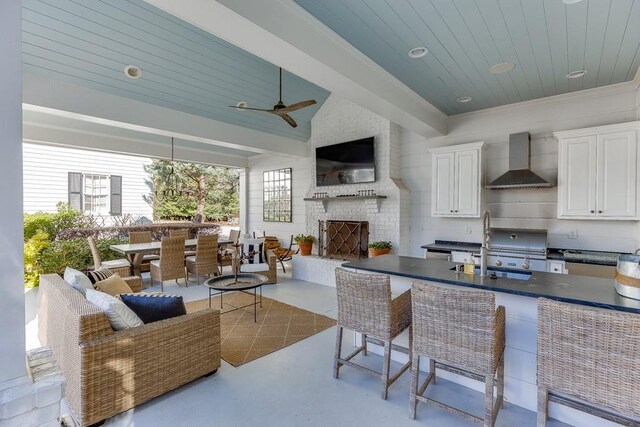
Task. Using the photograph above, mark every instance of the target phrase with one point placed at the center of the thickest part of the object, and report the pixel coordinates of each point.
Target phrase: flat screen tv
(350, 162)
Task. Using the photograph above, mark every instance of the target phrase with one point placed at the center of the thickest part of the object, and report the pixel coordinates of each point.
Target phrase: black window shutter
(116, 195)
(75, 190)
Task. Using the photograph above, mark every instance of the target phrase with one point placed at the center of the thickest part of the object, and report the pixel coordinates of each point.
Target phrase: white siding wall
(526, 208)
(46, 169)
(300, 180)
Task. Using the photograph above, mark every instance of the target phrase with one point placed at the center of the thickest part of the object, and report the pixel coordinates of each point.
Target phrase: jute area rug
(279, 325)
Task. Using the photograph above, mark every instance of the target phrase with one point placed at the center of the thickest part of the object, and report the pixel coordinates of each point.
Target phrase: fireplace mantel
(325, 200)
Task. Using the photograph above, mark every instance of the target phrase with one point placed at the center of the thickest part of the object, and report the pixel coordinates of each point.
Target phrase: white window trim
(84, 193)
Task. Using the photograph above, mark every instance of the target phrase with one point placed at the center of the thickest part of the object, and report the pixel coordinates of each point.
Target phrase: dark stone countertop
(446, 246)
(590, 291)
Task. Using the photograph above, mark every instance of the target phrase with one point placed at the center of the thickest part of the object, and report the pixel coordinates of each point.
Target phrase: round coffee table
(244, 282)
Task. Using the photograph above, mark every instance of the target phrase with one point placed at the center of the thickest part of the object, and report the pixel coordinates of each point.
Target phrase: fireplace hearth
(343, 239)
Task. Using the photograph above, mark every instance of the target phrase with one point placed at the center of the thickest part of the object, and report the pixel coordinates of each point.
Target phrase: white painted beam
(100, 142)
(12, 312)
(284, 34)
(68, 100)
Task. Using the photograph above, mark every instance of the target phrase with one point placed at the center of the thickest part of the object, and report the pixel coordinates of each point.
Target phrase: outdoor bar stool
(589, 359)
(365, 306)
(460, 331)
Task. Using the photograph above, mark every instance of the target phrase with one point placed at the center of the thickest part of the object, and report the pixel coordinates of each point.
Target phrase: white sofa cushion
(120, 316)
(254, 268)
(77, 279)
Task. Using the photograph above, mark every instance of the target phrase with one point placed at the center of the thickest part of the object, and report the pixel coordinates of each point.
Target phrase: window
(95, 194)
(276, 202)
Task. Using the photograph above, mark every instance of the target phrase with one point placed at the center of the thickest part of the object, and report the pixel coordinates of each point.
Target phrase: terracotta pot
(375, 252)
(305, 248)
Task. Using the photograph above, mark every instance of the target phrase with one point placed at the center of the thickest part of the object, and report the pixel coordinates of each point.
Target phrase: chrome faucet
(486, 230)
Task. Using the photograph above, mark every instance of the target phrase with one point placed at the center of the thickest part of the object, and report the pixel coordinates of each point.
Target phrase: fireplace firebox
(343, 239)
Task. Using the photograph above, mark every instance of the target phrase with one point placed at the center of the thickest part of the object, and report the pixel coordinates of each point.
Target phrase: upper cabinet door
(467, 183)
(443, 184)
(616, 179)
(577, 177)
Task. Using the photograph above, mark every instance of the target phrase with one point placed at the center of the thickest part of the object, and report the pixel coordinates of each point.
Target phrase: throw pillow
(120, 316)
(252, 250)
(113, 285)
(78, 280)
(100, 274)
(154, 307)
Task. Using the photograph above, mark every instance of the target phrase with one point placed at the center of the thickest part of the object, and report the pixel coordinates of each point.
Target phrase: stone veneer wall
(339, 121)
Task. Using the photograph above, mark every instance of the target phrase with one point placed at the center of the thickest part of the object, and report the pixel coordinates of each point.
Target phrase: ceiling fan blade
(252, 109)
(298, 106)
(287, 118)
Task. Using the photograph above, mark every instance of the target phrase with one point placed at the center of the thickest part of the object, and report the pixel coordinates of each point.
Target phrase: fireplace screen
(343, 239)
(276, 199)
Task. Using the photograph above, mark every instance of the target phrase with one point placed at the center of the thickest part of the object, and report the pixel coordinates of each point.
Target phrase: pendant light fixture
(172, 184)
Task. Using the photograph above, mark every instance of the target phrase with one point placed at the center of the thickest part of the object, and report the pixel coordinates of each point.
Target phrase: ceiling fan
(280, 109)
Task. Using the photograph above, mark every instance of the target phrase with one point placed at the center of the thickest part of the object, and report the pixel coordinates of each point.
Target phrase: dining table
(135, 251)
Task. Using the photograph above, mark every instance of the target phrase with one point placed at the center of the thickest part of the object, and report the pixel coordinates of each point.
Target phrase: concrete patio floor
(294, 386)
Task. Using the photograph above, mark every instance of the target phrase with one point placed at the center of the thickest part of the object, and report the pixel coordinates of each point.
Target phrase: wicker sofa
(109, 372)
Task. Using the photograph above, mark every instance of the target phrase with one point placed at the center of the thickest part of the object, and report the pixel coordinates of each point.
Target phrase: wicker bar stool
(589, 359)
(365, 306)
(460, 331)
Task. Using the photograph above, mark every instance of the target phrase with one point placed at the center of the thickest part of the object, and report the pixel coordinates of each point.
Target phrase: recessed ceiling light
(571, 1)
(576, 74)
(502, 67)
(464, 99)
(240, 106)
(132, 71)
(418, 52)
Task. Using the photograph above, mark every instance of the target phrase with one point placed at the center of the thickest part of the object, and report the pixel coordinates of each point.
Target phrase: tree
(211, 191)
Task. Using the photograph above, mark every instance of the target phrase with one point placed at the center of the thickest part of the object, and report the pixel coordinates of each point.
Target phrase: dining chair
(185, 234)
(143, 237)
(225, 253)
(171, 264)
(259, 233)
(205, 261)
(459, 331)
(121, 266)
(365, 306)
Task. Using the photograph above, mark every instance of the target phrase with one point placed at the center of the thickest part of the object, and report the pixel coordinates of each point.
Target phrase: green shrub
(32, 250)
(307, 239)
(53, 223)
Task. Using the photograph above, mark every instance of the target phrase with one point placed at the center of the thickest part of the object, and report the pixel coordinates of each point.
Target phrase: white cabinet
(597, 172)
(456, 180)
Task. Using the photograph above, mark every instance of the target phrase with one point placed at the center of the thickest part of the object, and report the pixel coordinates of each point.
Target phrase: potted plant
(379, 248)
(305, 243)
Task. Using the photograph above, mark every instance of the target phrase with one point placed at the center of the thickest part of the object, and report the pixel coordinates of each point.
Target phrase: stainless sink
(494, 273)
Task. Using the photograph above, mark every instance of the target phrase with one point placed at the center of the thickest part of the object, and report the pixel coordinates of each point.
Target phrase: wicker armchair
(267, 267)
(108, 372)
(121, 267)
(460, 331)
(143, 237)
(365, 306)
(171, 263)
(589, 356)
(205, 261)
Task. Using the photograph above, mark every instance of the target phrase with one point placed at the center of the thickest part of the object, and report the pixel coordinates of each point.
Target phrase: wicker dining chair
(205, 261)
(463, 332)
(365, 306)
(225, 254)
(588, 358)
(143, 237)
(171, 264)
(182, 233)
(122, 266)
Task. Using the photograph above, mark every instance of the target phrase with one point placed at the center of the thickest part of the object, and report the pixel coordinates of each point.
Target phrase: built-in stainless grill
(518, 249)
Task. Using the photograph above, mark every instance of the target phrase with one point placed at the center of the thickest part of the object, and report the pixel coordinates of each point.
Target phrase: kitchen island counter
(591, 291)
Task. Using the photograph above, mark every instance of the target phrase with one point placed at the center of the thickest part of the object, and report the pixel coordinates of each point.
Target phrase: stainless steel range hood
(519, 174)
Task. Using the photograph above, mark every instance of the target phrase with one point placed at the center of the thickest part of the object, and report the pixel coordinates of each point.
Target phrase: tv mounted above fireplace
(350, 162)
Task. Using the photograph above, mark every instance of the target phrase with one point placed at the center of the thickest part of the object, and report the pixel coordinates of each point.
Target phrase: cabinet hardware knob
(593, 211)
(599, 211)
(456, 210)
(451, 211)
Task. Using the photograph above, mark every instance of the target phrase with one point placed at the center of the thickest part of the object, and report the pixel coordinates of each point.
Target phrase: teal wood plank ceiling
(545, 39)
(89, 43)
